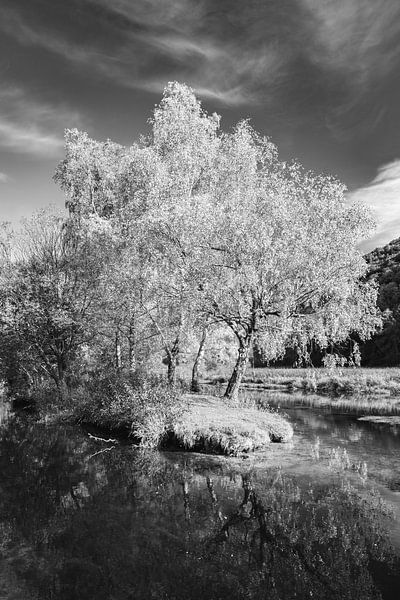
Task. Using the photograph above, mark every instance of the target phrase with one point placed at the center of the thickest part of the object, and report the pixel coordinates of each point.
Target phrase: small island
(212, 425)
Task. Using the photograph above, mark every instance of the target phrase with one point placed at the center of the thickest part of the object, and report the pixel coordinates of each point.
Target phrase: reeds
(359, 404)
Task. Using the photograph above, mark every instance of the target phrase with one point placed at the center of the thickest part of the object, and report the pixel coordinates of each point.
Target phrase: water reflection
(377, 444)
(4, 411)
(120, 524)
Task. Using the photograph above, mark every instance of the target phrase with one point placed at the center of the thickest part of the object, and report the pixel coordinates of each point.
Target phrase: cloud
(354, 36)
(250, 52)
(28, 126)
(230, 81)
(355, 44)
(152, 42)
(4, 178)
(27, 139)
(316, 59)
(15, 25)
(383, 196)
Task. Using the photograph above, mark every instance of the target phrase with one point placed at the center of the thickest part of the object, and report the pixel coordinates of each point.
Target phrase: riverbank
(149, 413)
(201, 423)
(359, 405)
(383, 382)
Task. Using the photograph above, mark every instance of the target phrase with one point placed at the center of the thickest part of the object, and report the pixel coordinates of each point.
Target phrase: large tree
(226, 232)
(47, 290)
(157, 198)
(285, 254)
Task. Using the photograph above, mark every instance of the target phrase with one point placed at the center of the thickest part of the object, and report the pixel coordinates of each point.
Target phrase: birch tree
(227, 232)
(285, 254)
(157, 197)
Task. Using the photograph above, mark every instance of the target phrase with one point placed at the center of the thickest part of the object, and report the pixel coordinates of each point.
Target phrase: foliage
(47, 290)
(190, 226)
(143, 407)
(287, 247)
(384, 269)
(151, 194)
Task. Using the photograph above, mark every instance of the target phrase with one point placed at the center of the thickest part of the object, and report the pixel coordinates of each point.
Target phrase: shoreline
(342, 382)
(217, 426)
(206, 424)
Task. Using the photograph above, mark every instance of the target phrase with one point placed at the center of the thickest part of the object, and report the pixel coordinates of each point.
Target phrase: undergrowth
(142, 406)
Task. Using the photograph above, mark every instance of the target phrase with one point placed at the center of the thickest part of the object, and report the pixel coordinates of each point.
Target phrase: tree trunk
(172, 362)
(118, 353)
(60, 369)
(173, 354)
(233, 386)
(59, 378)
(132, 346)
(195, 387)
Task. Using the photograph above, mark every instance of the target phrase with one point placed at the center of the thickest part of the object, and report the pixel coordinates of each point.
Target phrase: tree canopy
(200, 227)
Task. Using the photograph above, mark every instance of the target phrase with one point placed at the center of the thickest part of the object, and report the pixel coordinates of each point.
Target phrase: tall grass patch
(140, 406)
(216, 426)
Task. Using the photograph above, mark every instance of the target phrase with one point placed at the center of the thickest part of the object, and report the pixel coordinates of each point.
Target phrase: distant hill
(384, 267)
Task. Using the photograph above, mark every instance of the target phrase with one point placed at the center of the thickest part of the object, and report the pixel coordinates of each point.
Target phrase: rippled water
(87, 520)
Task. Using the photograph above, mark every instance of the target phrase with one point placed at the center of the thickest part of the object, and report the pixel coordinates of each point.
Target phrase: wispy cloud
(383, 196)
(157, 42)
(354, 36)
(15, 25)
(4, 178)
(355, 43)
(217, 65)
(29, 126)
(230, 81)
(318, 55)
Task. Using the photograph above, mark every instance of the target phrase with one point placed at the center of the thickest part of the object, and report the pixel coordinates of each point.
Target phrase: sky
(320, 77)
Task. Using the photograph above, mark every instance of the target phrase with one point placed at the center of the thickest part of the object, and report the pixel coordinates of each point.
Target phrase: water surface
(87, 520)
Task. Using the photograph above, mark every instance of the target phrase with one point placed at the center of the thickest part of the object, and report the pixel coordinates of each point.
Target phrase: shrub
(142, 406)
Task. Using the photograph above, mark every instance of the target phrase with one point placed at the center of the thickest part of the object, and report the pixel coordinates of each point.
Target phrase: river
(87, 519)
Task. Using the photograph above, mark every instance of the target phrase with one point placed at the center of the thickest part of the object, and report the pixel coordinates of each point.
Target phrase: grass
(362, 391)
(213, 425)
(333, 381)
(146, 410)
(357, 404)
(330, 382)
(386, 420)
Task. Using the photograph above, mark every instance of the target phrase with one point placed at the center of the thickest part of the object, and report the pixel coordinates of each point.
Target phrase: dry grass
(327, 381)
(330, 382)
(361, 404)
(213, 425)
(385, 420)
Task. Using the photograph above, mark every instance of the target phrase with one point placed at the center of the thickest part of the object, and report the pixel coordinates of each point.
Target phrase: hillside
(384, 267)
(383, 350)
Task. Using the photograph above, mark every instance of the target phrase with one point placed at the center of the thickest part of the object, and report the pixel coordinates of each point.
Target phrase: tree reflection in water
(131, 525)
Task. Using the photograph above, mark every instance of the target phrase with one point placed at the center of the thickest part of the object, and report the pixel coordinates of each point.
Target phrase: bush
(142, 406)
